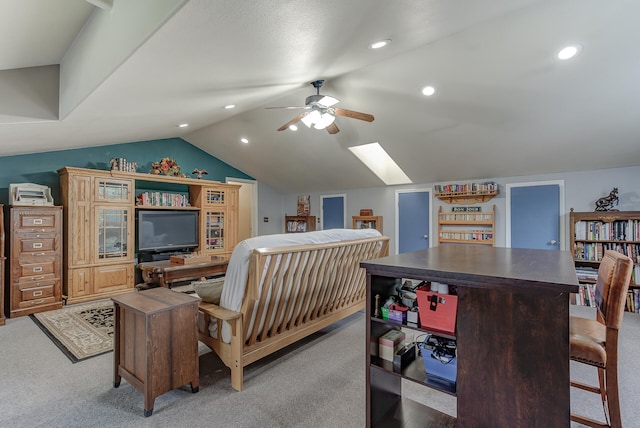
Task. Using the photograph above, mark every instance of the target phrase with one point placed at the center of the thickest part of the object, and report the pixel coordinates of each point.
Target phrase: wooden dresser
(34, 250)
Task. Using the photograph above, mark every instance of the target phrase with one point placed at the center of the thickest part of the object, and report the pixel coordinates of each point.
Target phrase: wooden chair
(595, 342)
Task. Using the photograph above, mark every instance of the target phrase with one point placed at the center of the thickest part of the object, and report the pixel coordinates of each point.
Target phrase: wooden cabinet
(218, 218)
(591, 234)
(99, 244)
(34, 271)
(100, 229)
(156, 342)
(467, 193)
(494, 358)
(299, 223)
(367, 222)
(464, 227)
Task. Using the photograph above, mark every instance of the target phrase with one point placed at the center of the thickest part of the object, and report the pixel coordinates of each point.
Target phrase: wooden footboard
(291, 293)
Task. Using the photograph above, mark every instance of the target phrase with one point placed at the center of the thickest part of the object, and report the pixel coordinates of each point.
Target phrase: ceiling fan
(321, 114)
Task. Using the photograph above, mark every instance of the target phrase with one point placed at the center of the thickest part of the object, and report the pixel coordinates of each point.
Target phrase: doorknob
(553, 242)
(426, 236)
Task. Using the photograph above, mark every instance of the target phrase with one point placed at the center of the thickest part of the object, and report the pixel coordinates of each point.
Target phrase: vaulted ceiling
(81, 73)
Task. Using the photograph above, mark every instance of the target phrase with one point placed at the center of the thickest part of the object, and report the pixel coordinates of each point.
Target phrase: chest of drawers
(34, 260)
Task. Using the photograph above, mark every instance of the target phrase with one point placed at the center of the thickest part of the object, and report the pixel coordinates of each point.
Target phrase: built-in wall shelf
(467, 193)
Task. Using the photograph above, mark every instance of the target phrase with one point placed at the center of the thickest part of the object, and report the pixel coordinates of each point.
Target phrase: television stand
(164, 273)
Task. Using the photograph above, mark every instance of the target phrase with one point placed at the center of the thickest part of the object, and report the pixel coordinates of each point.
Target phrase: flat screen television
(166, 230)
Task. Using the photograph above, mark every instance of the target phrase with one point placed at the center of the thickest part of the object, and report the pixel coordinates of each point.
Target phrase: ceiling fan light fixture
(328, 101)
(317, 120)
(293, 127)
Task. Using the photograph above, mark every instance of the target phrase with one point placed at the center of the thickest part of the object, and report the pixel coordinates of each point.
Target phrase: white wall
(582, 189)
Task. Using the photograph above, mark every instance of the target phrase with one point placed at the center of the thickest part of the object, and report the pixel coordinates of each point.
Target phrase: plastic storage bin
(440, 361)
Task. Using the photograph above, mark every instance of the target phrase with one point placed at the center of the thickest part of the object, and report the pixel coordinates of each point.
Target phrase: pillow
(209, 290)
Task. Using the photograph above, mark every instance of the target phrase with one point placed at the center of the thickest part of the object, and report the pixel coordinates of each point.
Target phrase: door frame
(344, 209)
(561, 209)
(397, 215)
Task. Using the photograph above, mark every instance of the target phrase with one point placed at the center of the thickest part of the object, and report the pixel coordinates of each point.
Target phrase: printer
(30, 194)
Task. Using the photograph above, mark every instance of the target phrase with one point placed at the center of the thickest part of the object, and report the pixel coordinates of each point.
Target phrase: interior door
(413, 227)
(534, 215)
(333, 212)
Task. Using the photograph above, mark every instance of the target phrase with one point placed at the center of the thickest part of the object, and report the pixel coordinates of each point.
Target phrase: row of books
(593, 251)
(633, 301)
(621, 230)
(465, 216)
(163, 199)
(467, 236)
(586, 297)
(486, 187)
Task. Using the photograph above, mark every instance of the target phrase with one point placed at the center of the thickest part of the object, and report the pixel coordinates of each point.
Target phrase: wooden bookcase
(299, 223)
(100, 228)
(466, 227)
(367, 222)
(592, 233)
(468, 193)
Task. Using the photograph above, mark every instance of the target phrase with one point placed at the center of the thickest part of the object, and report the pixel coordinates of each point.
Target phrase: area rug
(81, 331)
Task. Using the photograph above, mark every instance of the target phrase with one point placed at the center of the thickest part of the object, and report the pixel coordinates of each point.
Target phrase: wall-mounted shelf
(299, 223)
(468, 193)
(466, 227)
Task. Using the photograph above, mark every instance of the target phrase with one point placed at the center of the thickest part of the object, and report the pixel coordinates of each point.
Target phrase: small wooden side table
(156, 342)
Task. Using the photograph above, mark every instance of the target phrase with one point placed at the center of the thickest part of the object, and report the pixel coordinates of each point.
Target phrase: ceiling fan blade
(291, 107)
(332, 129)
(353, 114)
(291, 122)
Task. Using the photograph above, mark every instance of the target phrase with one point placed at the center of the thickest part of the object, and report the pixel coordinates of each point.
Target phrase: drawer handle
(38, 254)
(37, 221)
(37, 278)
(37, 245)
(37, 269)
(37, 293)
(38, 230)
(37, 302)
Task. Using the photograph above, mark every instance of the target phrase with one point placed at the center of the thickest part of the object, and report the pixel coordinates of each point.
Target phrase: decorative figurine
(606, 203)
(200, 172)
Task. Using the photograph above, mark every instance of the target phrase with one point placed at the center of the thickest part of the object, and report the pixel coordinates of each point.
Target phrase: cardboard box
(389, 343)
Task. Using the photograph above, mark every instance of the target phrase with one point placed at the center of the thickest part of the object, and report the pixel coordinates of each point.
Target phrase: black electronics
(404, 357)
(167, 230)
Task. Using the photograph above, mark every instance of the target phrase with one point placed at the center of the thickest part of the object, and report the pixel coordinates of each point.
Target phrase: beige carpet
(80, 331)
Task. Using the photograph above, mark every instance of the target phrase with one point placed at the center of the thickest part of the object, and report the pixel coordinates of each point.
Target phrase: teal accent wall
(41, 168)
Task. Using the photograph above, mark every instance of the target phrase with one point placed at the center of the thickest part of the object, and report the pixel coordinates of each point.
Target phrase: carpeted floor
(80, 331)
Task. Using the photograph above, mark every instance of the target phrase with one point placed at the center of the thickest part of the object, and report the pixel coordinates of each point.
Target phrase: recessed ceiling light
(569, 52)
(428, 91)
(230, 106)
(379, 44)
(244, 140)
(293, 127)
(183, 125)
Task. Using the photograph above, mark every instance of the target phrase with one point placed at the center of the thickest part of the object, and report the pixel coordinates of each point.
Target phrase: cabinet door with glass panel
(113, 220)
(113, 232)
(218, 209)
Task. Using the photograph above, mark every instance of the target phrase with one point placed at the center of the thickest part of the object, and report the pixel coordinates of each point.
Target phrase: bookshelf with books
(299, 223)
(591, 234)
(466, 193)
(466, 227)
(367, 222)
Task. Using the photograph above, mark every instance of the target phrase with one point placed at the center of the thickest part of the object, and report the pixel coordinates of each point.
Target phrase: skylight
(378, 161)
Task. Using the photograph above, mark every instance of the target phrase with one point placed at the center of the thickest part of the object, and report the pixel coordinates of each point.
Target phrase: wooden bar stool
(595, 342)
